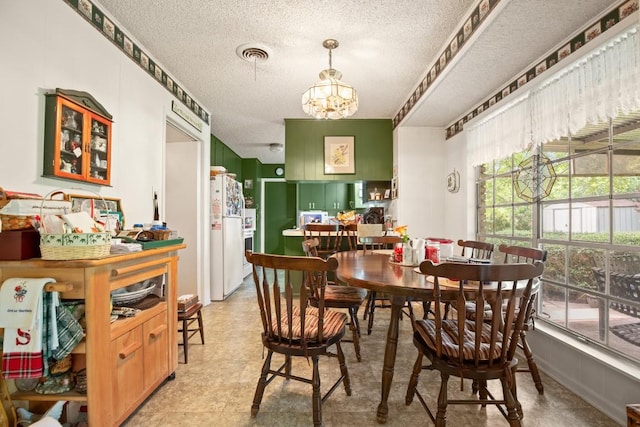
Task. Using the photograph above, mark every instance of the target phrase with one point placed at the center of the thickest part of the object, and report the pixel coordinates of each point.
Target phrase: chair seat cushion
(344, 294)
(426, 328)
(334, 323)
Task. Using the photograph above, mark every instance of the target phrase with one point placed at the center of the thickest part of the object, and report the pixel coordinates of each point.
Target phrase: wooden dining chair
(339, 296)
(349, 234)
(476, 250)
(292, 326)
(327, 234)
(530, 255)
(371, 243)
(474, 349)
(472, 249)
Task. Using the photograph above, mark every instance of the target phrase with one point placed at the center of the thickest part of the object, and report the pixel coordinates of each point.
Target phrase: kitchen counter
(298, 232)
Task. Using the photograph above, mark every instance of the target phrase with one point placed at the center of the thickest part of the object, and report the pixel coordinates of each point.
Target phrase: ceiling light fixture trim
(330, 98)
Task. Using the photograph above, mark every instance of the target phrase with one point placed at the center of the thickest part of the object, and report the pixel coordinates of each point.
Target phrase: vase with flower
(406, 250)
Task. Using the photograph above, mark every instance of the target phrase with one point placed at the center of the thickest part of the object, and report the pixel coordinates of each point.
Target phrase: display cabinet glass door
(99, 150)
(71, 149)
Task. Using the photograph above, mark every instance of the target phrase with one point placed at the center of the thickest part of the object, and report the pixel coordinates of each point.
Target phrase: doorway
(182, 204)
(278, 212)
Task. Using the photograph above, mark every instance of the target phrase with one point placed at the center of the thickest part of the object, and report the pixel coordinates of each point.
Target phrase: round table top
(374, 271)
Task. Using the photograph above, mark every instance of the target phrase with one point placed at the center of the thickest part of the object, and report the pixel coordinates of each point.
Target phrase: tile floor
(216, 387)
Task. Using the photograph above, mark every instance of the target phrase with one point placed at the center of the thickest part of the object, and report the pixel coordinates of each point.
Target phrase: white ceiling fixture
(330, 98)
(275, 146)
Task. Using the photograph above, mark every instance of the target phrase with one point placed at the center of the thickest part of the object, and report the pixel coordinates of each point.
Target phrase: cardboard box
(17, 245)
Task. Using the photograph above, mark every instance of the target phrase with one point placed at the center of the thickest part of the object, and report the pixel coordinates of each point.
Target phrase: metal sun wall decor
(534, 178)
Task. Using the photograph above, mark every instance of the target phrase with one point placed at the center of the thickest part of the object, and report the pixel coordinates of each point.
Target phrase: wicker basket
(161, 234)
(74, 246)
(70, 246)
(13, 222)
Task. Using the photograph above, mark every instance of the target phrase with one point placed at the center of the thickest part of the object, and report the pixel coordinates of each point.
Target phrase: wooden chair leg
(353, 325)
(512, 412)
(372, 308)
(441, 415)
(413, 381)
(483, 393)
(316, 398)
(185, 339)
(533, 367)
(426, 309)
(200, 326)
(287, 368)
(346, 380)
(262, 384)
(366, 306)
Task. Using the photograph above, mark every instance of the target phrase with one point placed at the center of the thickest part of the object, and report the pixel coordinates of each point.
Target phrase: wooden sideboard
(125, 360)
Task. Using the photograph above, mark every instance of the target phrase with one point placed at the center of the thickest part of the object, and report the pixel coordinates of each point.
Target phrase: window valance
(597, 87)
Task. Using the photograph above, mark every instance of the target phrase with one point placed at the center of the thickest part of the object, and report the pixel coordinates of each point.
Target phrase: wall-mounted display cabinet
(77, 138)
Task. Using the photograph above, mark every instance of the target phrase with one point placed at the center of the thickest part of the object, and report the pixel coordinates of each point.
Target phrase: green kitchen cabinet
(311, 197)
(336, 196)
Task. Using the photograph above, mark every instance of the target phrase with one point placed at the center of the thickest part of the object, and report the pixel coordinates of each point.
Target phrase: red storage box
(19, 244)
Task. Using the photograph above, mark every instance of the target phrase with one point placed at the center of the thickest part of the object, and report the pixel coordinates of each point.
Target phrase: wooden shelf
(122, 325)
(37, 397)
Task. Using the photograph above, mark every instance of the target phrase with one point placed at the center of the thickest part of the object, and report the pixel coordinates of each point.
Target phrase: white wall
(46, 45)
(460, 207)
(420, 157)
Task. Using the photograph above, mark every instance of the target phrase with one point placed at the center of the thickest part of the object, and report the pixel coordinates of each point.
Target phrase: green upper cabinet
(335, 196)
(311, 197)
(222, 155)
(304, 149)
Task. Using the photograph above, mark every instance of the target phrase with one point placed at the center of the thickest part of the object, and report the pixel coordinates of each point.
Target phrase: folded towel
(19, 299)
(22, 316)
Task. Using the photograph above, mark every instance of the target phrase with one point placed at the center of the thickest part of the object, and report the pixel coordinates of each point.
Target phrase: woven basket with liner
(71, 246)
(15, 222)
(18, 210)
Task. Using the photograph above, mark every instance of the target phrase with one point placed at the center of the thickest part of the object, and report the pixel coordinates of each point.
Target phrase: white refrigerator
(227, 236)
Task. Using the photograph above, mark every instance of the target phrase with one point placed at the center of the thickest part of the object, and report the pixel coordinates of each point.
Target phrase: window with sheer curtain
(585, 123)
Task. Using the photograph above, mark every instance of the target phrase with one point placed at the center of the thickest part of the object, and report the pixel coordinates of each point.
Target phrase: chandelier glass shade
(330, 98)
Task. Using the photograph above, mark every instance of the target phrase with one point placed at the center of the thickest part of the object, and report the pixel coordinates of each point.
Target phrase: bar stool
(185, 319)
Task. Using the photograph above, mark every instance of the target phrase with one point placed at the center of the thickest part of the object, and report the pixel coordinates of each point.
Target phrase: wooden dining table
(373, 270)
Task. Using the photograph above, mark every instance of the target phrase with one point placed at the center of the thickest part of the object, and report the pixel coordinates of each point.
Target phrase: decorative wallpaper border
(102, 23)
(588, 34)
(477, 16)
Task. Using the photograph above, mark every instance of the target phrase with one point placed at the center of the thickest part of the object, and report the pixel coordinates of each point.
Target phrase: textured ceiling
(386, 48)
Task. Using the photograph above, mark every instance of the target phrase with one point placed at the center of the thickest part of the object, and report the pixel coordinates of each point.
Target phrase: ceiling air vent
(253, 52)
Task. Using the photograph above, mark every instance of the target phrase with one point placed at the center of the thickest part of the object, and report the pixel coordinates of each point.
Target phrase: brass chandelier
(330, 98)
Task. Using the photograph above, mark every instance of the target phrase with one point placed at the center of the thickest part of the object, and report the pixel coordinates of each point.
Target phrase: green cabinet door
(311, 197)
(336, 196)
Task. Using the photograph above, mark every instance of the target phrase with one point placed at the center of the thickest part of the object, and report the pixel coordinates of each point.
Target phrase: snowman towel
(21, 314)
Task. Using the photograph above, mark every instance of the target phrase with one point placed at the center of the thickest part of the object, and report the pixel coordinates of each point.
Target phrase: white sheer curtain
(502, 134)
(597, 87)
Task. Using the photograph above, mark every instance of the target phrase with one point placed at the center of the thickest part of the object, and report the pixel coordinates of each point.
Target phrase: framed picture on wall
(339, 155)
